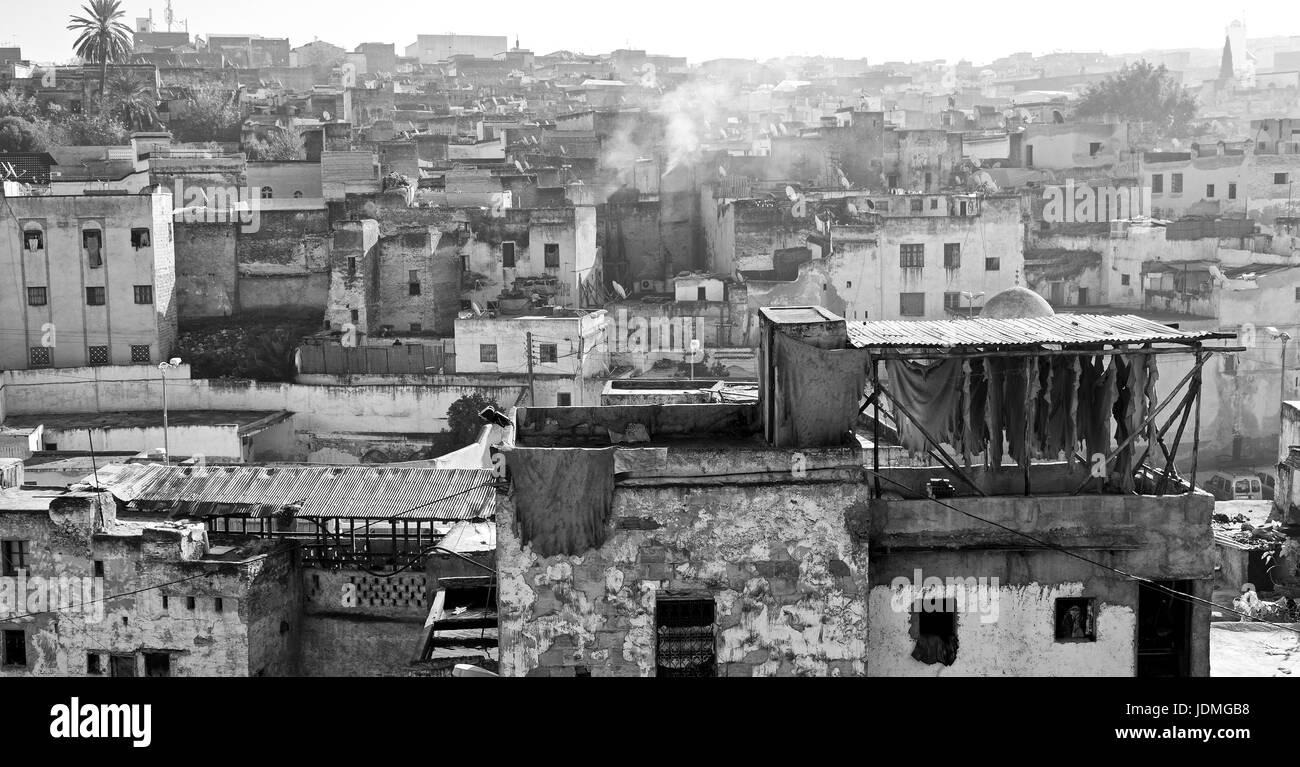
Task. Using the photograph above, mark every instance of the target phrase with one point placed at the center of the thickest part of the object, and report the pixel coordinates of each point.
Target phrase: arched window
(297, 193)
(267, 193)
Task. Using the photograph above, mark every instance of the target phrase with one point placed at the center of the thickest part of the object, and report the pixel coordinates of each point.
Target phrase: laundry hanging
(931, 393)
(562, 497)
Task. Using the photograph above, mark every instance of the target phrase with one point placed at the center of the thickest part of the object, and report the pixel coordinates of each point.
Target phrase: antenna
(168, 16)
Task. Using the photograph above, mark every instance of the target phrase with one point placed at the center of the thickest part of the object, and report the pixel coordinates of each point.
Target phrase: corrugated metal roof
(1057, 329)
(357, 492)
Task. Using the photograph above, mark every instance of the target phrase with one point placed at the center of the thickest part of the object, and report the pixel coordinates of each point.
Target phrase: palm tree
(134, 101)
(103, 37)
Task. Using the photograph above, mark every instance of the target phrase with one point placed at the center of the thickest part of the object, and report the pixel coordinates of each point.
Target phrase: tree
(103, 37)
(133, 101)
(211, 113)
(1141, 92)
(1225, 64)
(282, 144)
(19, 135)
(462, 417)
(70, 129)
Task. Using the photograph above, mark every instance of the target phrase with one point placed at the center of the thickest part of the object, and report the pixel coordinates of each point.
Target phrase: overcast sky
(705, 29)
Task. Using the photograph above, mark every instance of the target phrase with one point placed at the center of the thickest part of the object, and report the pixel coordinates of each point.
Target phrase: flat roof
(248, 421)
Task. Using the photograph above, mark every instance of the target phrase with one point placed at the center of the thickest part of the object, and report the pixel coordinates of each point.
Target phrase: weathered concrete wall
(285, 263)
(374, 628)
(206, 270)
(777, 560)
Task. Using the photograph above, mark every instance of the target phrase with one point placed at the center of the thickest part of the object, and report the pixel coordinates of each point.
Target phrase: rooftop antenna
(168, 16)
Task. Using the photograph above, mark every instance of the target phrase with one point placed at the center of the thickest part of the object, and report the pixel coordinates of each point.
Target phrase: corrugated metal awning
(1064, 329)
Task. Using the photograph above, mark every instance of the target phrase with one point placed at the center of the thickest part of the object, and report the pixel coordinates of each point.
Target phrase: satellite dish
(325, 115)
(791, 194)
(619, 289)
(852, 209)
(474, 305)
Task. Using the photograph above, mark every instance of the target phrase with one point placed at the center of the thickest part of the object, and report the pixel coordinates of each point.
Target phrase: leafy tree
(20, 135)
(1141, 92)
(15, 104)
(462, 417)
(211, 114)
(88, 130)
(103, 38)
(282, 144)
(133, 101)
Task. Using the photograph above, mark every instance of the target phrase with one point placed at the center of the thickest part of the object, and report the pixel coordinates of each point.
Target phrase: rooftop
(1065, 329)
(248, 421)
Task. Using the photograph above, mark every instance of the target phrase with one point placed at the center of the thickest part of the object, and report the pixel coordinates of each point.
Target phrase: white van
(1234, 487)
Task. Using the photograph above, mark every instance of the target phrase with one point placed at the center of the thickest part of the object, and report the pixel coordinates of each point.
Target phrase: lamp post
(970, 302)
(163, 367)
(1283, 336)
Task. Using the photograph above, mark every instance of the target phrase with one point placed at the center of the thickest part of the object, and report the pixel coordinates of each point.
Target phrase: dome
(1016, 303)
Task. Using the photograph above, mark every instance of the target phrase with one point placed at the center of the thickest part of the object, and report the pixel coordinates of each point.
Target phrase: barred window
(911, 304)
(140, 353)
(684, 639)
(951, 301)
(487, 352)
(39, 356)
(551, 252)
(547, 353)
(97, 355)
(34, 239)
(37, 296)
(144, 294)
(952, 255)
(992, 264)
(911, 256)
(94, 296)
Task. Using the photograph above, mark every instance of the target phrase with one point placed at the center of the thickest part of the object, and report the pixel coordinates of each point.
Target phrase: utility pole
(532, 397)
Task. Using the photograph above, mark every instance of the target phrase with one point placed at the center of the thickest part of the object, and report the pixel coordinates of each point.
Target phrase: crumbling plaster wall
(778, 560)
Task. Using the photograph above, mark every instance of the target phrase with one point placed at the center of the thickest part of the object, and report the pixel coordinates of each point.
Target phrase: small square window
(94, 296)
(417, 327)
(911, 304)
(1209, 191)
(157, 664)
(356, 315)
(144, 294)
(34, 240)
(97, 355)
(1281, 178)
(1124, 279)
(15, 648)
(13, 557)
(487, 352)
(911, 256)
(934, 203)
(952, 255)
(916, 203)
(37, 296)
(992, 264)
(1176, 183)
(140, 353)
(140, 238)
(1075, 620)
(39, 357)
(934, 627)
(1094, 148)
(551, 251)
(547, 353)
(563, 399)
(189, 603)
(951, 301)
(94, 664)
(1158, 183)
(99, 568)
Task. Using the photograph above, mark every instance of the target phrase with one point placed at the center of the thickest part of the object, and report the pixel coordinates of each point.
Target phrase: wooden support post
(1196, 428)
(875, 423)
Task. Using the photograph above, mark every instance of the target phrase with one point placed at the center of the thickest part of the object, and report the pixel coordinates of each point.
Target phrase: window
(911, 256)
(1075, 620)
(547, 353)
(551, 252)
(144, 294)
(189, 603)
(911, 304)
(39, 356)
(915, 204)
(37, 296)
(15, 648)
(218, 604)
(416, 327)
(1281, 178)
(508, 255)
(157, 664)
(564, 399)
(1209, 191)
(94, 666)
(352, 266)
(141, 353)
(992, 264)
(34, 239)
(97, 355)
(355, 315)
(891, 180)
(92, 242)
(848, 284)
(98, 568)
(488, 352)
(701, 294)
(684, 640)
(1124, 279)
(952, 255)
(934, 203)
(1176, 183)
(934, 624)
(1229, 364)
(928, 178)
(413, 279)
(164, 601)
(1297, 294)
(297, 194)
(94, 296)
(139, 238)
(13, 557)
(121, 665)
(951, 301)
(1094, 147)
(267, 193)
(1232, 191)
(1158, 183)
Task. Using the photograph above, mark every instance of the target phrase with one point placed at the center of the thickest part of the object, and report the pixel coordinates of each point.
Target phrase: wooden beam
(1196, 429)
(1035, 352)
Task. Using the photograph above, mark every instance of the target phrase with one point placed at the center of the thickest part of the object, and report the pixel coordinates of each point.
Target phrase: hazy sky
(704, 29)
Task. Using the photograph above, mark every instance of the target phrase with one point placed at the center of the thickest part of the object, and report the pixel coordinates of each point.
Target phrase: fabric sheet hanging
(562, 496)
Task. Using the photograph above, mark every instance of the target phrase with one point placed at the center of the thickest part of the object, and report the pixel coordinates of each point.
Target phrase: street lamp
(970, 302)
(163, 367)
(1283, 336)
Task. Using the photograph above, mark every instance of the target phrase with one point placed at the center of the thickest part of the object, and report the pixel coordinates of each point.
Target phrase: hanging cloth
(931, 393)
(562, 496)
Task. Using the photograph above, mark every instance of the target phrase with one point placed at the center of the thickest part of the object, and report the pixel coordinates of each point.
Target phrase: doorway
(1164, 630)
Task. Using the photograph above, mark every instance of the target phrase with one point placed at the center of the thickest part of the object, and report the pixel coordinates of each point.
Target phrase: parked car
(1268, 482)
(1226, 486)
